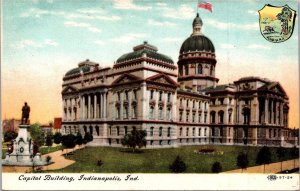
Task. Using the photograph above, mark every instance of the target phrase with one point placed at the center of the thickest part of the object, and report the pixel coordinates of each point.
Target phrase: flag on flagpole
(205, 5)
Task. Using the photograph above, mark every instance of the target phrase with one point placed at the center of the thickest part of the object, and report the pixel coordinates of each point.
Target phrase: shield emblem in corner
(277, 22)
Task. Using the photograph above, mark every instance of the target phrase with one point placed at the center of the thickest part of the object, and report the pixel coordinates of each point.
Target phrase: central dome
(197, 43)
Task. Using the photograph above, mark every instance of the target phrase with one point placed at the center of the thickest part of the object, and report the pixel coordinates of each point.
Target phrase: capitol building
(177, 104)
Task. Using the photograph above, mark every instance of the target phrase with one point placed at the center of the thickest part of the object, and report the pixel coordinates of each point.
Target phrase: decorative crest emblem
(277, 22)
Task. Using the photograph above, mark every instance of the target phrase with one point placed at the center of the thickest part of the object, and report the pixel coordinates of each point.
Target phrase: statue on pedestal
(25, 113)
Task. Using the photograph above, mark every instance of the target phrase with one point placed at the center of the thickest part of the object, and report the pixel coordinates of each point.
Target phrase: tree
(78, 139)
(37, 134)
(216, 167)
(242, 160)
(178, 166)
(88, 137)
(68, 141)
(10, 135)
(137, 138)
(263, 156)
(57, 138)
(49, 140)
(280, 151)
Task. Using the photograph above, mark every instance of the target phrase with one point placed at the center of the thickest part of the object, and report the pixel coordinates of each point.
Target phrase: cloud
(227, 46)
(37, 13)
(228, 25)
(129, 5)
(33, 44)
(252, 12)
(183, 12)
(161, 4)
(82, 25)
(50, 42)
(160, 23)
(129, 37)
(258, 46)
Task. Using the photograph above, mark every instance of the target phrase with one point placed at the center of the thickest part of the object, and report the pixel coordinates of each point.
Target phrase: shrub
(207, 150)
(99, 163)
(10, 135)
(216, 167)
(178, 166)
(242, 160)
(57, 138)
(48, 158)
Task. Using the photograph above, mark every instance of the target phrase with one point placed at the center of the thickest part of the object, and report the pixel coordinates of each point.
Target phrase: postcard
(150, 95)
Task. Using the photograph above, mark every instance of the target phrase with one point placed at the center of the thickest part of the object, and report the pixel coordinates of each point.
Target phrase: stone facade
(144, 90)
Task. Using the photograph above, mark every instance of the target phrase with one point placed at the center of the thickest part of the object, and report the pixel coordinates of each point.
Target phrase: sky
(43, 39)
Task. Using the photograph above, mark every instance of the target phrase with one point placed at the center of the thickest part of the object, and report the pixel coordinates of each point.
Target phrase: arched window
(221, 116)
(169, 131)
(151, 131)
(168, 113)
(160, 112)
(200, 69)
(246, 113)
(118, 112)
(212, 117)
(160, 131)
(160, 95)
(187, 131)
(211, 70)
(205, 132)
(180, 131)
(186, 68)
(194, 131)
(151, 112)
(151, 94)
(109, 130)
(169, 97)
(134, 111)
(125, 114)
(199, 132)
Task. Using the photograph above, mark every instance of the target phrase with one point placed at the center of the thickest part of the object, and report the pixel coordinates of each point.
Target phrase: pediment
(126, 78)
(277, 88)
(162, 79)
(69, 89)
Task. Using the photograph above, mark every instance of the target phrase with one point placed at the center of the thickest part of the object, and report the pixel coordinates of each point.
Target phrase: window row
(161, 131)
(160, 114)
(193, 119)
(195, 131)
(160, 95)
(193, 103)
(126, 112)
(126, 95)
(197, 70)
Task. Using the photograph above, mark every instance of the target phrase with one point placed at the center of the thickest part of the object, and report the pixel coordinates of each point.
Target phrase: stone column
(89, 106)
(104, 101)
(83, 107)
(71, 112)
(101, 107)
(63, 107)
(272, 114)
(266, 110)
(281, 113)
(95, 105)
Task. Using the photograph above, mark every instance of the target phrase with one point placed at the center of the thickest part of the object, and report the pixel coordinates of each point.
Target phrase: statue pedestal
(22, 154)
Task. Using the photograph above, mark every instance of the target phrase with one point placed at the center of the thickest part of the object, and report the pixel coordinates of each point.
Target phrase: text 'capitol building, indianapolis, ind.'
(176, 105)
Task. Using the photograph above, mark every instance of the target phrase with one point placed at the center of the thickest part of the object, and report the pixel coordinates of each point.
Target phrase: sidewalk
(57, 157)
(269, 168)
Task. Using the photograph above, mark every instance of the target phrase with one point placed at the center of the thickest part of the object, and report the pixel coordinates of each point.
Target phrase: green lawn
(118, 160)
(45, 150)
